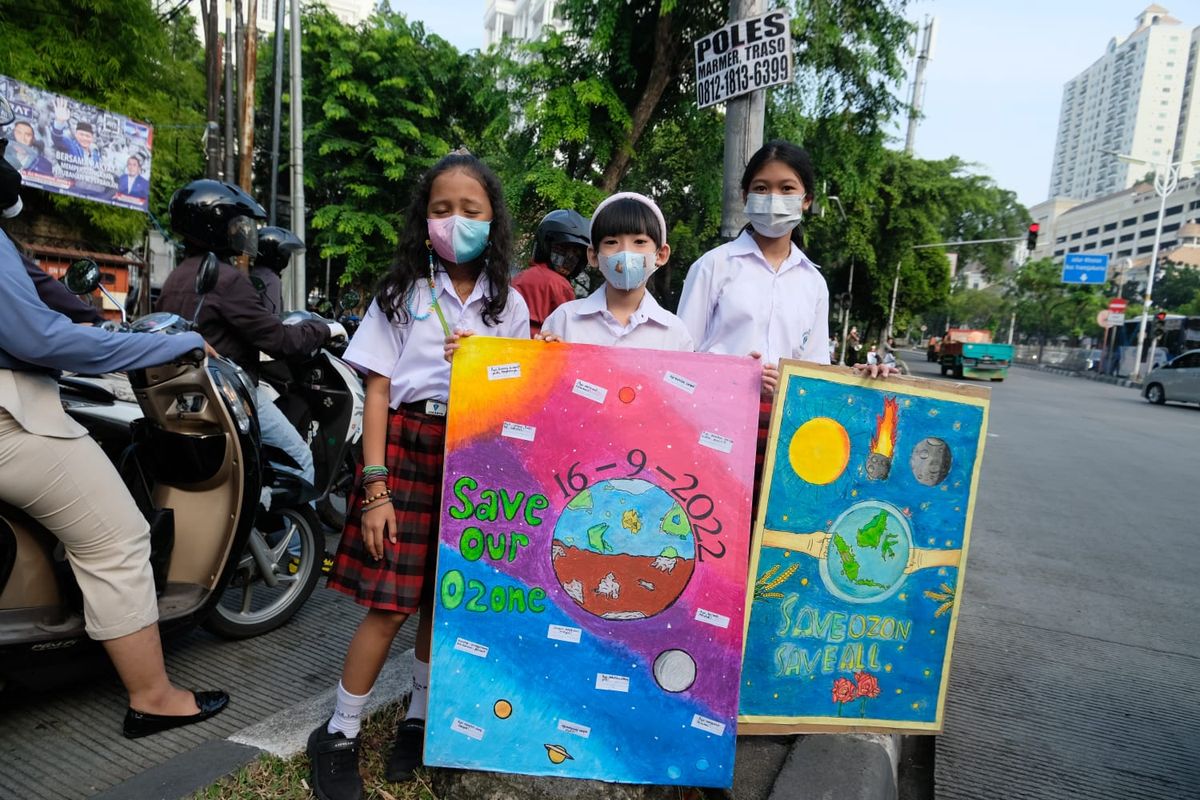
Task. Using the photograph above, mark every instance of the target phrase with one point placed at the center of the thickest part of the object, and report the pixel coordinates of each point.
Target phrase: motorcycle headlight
(237, 403)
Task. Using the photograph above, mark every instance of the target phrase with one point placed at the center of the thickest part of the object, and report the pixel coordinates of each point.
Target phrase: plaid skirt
(414, 458)
(760, 452)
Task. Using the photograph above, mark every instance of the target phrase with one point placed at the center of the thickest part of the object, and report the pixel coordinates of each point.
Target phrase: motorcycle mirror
(206, 276)
(83, 277)
(348, 299)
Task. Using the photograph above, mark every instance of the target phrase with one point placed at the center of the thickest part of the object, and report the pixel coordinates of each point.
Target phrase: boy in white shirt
(629, 243)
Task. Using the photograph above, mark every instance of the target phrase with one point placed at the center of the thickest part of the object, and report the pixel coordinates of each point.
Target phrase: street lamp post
(1166, 179)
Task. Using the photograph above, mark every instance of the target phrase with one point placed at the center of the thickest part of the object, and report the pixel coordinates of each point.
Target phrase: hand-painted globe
(623, 549)
(868, 551)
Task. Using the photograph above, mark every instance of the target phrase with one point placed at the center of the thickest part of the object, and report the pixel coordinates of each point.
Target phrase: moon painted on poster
(674, 670)
(930, 461)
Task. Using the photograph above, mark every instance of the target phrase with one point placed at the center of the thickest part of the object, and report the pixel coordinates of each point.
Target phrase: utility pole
(743, 133)
(924, 56)
(249, 67)
(892, 312)
(297, 272)
(277, 109)
(229, 112)
(212, 95)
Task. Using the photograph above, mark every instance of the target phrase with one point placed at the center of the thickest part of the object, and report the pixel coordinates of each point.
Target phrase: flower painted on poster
(844, 691)
(867, 687)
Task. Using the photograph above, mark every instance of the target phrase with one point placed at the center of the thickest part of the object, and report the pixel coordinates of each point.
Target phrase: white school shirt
(588, 321)
(412, 353)
(733, 302)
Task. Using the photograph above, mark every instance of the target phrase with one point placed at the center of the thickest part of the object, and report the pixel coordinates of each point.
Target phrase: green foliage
(152, 72)
(979, 309)
(1177, 288)
(1047, 307)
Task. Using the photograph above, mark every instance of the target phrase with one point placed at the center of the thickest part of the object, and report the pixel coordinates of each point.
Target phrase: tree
(1177, 287)
(152, 72)
(1048, 307)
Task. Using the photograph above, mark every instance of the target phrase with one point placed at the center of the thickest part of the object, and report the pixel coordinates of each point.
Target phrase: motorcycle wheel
(249, 606)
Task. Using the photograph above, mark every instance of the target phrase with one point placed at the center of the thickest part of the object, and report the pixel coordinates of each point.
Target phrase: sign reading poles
(744, 56)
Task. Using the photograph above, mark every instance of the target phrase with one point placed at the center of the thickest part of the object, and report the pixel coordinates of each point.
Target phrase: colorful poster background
(50, 156)
(859, 552)
(592, 562)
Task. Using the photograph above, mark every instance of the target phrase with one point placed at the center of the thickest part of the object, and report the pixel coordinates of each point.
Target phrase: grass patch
(274, 778)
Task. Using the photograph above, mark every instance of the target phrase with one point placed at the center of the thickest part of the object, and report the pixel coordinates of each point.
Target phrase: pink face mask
(457, 239)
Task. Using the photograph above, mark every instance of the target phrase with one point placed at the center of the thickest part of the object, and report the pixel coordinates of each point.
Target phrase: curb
(283, 734)
(816, 768)
(1110, 379)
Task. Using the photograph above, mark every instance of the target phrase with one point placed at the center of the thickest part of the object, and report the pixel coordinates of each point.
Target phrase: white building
(348, 11)
(1120, 225)
(522, 20)
(1130, 101)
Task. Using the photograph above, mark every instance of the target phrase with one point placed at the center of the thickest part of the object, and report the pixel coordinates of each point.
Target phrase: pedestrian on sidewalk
(449, 279)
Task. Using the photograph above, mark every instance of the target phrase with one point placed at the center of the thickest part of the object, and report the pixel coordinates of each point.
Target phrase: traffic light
(1160, 323)
(1031, 237)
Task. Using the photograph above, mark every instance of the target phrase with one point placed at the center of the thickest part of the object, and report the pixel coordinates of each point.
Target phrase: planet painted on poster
(868, 552)
(623, 549)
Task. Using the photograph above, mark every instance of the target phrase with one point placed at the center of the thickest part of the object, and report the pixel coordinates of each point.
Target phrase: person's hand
(62, 112)
(337, 332)
(453, 342)
(210, 351)
(880, 371)
(548, 337)
(378, 522)
(770, 376)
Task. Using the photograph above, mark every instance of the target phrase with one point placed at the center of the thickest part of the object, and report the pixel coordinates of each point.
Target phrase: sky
(993, 87)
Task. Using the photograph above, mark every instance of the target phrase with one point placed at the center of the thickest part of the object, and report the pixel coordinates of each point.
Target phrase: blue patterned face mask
(626, 270)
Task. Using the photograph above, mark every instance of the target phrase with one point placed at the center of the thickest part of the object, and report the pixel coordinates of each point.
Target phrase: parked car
(1178, 380)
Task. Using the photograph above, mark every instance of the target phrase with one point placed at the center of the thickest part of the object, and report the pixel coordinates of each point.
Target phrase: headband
(641, 198)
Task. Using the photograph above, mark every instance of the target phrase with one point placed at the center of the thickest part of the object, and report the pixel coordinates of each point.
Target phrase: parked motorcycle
(194, 465)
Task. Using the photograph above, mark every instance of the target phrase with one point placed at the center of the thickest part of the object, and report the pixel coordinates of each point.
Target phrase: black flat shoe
(407, 751)
(139, 724)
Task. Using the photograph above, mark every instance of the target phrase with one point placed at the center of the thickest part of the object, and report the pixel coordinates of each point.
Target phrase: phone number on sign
(745, 78)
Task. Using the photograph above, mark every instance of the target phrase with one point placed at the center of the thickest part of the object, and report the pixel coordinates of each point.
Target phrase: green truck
(966, 353)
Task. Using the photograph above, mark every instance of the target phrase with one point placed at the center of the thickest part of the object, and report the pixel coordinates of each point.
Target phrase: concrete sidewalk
(813, 767)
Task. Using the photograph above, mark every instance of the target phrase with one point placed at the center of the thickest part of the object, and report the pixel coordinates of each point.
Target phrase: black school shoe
(139, 724)
(406, 751)
(334, 758)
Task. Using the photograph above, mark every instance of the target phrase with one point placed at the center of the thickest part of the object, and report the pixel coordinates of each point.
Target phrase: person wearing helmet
(559, 255)
(276, 246)
(220, 218)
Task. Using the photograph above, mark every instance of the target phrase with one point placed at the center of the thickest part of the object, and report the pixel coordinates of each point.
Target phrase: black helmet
(562, 226)
(216, 216)
(276, 247)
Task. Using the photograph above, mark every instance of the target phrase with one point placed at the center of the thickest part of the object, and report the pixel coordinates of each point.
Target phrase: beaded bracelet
(385, 493)
(377, 504)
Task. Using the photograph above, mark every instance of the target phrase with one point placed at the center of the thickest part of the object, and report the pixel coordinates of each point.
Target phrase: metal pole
(743, 134)
(918, 91)
(892, 312)
(846, 318)
(277, 109)
(297, 272)
(229, 111)
(1166, 178)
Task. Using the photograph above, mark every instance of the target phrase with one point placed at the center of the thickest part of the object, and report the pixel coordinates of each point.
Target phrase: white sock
(347, 714)
(420, 692)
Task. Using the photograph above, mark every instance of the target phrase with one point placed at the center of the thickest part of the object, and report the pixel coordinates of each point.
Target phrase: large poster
(591, 576)
(859, 552)
(68, 147)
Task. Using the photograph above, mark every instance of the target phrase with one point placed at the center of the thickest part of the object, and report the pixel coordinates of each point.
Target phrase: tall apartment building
(1140, 98)
(522, 20)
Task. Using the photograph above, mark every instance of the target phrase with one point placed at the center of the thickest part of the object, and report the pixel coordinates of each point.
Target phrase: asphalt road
(1076, 670)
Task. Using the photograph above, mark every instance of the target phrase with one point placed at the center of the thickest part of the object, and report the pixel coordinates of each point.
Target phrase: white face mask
(774, 215)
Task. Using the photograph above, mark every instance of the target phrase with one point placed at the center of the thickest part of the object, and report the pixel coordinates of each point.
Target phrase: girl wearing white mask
(449, 279)
(629, 244)
(760, 295)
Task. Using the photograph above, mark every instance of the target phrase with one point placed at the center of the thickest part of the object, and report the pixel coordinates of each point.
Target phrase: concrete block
(839, 767)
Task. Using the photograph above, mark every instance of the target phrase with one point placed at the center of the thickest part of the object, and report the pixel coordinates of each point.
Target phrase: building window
(1174, 226)
(1123, 253)
(1072, 249)
(1146, 248)
(1092, 231)
(1060, 240)
(1076, 235)
(1145, 233)
(1125, 223)
(1127, 237)
(1058, 253)
(1174, 210)
(1150, 216)
(1112, 226)
(1090, 246)
(1106, 242)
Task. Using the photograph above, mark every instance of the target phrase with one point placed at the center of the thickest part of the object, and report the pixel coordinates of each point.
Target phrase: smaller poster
(591, 574)
(859, 552)
(67, 147)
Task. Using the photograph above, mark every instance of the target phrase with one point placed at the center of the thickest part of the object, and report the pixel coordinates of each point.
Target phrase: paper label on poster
(716, 441)
(708, 725)
(500, 372)
(515, 430)
(467, 729)
(712, 618)
(582, 731)
(612, 683)
(473, 648)
(680, 382)
(564, 633)
(591, 391)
